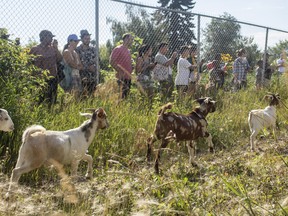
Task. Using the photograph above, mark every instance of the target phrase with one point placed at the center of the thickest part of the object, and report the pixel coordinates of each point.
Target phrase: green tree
(221, 36)
(279, 48)
(141, 23)
(178, 26)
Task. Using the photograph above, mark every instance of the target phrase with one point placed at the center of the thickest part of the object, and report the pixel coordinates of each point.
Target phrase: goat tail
(30, 130)
(164, 108)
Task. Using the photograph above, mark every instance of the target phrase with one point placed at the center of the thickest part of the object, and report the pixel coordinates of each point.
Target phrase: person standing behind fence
(88, 59)
(166, 83)
(259, 75)
(268, 70)
(47, 58)
(144, 67)
(121, 61)
(240, 70)
(216, 80)
(194, 73)
(185, 73)
(72, 65)
(281, 64)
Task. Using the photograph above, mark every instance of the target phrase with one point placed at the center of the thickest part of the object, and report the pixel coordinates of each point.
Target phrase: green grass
(233, 181)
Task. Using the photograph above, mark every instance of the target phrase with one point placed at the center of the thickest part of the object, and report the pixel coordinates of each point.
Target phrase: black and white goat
(263, 118)
(45, 147)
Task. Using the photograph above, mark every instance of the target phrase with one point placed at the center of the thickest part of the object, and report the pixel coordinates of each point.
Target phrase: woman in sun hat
(72, 65)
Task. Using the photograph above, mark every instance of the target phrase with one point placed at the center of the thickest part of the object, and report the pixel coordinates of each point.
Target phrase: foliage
(280, 47)
(178, 26)
(141, 24)
(221, 36)
(18, 89)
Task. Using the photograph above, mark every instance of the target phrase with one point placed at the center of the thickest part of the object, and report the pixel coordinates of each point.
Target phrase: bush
(18, 92)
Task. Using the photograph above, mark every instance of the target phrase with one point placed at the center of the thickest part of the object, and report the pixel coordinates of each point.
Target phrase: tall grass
(228, 182)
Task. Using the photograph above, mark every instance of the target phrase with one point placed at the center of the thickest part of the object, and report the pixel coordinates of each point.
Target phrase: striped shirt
(240, 68)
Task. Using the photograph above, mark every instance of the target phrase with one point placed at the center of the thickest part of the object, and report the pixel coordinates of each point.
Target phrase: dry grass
(135, 190)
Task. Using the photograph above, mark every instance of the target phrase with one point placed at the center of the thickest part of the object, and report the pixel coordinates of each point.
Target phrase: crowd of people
(157, 71)
(75, 68)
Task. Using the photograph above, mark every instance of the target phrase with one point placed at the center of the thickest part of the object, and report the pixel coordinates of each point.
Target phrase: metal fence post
(264, 56)
(97, 39)
(198, 41)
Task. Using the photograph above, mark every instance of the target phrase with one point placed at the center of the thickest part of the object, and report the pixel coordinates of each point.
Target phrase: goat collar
(202, 113)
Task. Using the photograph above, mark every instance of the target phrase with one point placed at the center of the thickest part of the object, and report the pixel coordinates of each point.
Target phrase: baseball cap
(46, 33)
(72, 37)
(83, 33)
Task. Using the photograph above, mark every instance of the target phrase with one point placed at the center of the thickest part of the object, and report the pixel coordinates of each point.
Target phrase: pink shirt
(122, 57)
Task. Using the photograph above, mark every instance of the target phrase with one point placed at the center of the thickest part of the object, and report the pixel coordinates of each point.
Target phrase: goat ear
(87, 115)
(200, 100)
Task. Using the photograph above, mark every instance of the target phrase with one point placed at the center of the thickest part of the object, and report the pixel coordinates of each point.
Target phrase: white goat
(263, 118)
(6, 123)
(44, 147)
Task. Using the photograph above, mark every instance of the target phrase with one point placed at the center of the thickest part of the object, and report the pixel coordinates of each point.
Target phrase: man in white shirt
(166, 86)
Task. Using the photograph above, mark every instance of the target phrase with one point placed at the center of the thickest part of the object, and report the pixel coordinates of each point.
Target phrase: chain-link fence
(108, 20)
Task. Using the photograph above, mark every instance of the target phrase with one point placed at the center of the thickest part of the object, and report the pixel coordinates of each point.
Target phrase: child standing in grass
(259, 74)
(183, 72)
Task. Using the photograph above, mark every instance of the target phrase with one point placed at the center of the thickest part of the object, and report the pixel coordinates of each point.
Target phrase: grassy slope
(233, 181)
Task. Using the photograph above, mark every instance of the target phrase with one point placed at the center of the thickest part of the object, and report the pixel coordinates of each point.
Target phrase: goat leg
(192, 152)
(150, 142)
(163, 145)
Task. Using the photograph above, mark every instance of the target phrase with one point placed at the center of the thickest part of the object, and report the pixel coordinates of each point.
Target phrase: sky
(26, 18)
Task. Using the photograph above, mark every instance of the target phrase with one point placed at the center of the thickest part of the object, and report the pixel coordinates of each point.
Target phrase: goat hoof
(156, 170)
(7, 196)
(149, 158)
(88, 176)
(211, 149)
(194, 164)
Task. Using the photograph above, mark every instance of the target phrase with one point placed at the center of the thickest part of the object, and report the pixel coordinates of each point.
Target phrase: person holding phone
(164, 71)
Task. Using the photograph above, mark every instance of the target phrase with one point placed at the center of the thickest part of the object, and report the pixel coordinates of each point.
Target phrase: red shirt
(122, 57)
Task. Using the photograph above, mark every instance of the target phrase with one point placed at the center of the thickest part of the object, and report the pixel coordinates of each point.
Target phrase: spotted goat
(45, 147)
(171, 125)
(263, 118)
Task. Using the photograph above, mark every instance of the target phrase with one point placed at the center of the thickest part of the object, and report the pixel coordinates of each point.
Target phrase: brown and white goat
(263, 118)
(6, 123)
(45, 147)
(182, 128)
